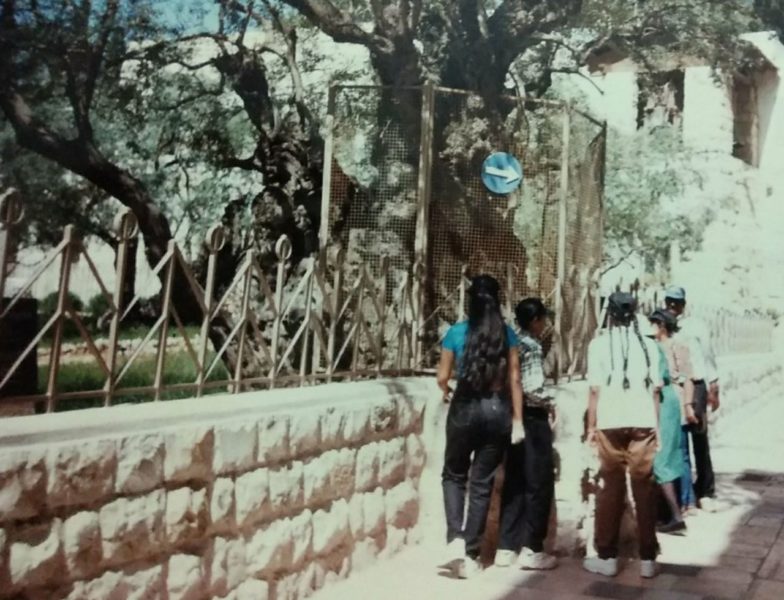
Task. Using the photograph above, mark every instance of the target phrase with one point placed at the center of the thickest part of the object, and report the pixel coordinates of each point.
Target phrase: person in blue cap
(705, 377)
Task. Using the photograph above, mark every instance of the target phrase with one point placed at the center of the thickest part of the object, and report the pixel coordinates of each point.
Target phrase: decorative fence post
(11, 214)
(126, 226)
(283, 252)
(168, 284)
(62, 304)
(216, 239)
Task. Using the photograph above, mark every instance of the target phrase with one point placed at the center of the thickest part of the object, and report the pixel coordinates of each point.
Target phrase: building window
(745, 120)
(660, 99)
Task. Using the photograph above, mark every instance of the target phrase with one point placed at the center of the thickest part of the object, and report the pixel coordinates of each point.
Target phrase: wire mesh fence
(424, 165)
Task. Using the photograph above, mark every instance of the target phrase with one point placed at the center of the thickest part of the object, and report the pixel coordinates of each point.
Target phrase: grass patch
(132, 332)
(87, 377)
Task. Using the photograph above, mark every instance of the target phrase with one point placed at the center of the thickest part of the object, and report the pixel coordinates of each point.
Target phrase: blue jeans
(687, 487)
(478, 426)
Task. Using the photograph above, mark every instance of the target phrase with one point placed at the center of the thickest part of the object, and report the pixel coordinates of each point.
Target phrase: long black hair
(486, 350)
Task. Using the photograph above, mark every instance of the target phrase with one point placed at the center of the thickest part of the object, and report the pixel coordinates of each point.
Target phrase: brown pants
(620, 450)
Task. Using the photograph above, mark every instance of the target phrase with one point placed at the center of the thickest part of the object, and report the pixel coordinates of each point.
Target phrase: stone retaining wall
(267, 495)
(263, 495)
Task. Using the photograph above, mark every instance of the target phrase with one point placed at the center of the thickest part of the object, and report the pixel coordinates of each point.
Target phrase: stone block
(416, 456)
(402, 506)
(227, 565)
(302, 536)
(22, 484)
(235, 447)
(396, 541)
(139, 464)
(132, 528)
(410, 413)
(356, 427)
(270, 549)
(304, 434)
(296, 585)
(367, 468)
(252, 589)
(36, 558)
(5, 575)
(333, 423)
(356, 515)
(392, 462)
(222, 510)
(383, 417)
(185, 580)
(342, 474)
(273, 439)
(187, 515)
(138, 584)
(316, 478)
(80, 473)
(286, 489)
(331, 528)
(365, 553)
(82, 544)
(251, 493)
(374, 512)
(189, 455)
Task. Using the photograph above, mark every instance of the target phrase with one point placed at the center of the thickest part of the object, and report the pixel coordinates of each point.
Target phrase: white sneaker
(468, 568)
(601, 566)
(648, 569)
(710, 505)
(536, 561)
(505, 558)
(454, 554)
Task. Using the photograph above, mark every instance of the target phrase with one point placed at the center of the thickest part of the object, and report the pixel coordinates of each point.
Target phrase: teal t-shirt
(455, 339)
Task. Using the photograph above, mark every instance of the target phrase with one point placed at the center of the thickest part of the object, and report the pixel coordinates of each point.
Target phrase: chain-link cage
(406, 183)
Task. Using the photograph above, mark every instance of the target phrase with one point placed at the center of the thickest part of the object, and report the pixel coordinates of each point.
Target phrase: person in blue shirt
(485, 410)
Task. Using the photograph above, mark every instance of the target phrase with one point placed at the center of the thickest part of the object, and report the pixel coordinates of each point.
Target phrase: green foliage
(647, 176)
(81, 376)
(47, 307)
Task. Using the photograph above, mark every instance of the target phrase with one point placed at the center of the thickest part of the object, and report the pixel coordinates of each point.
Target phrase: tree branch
(339, 25)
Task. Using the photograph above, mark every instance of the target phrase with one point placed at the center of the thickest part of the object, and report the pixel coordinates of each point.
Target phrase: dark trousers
(481, 427)
(622, 450)
(705, 485)
(529, 486)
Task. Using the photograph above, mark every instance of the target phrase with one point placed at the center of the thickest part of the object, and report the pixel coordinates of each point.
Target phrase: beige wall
(270, 494)
(263, 495)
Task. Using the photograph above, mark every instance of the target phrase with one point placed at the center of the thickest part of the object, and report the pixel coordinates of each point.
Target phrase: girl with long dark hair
(486, 408)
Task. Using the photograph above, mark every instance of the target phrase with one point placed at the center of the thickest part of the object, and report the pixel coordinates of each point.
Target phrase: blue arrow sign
(502, 173)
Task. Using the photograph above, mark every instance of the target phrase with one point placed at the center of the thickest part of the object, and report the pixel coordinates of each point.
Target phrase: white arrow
(508, 173)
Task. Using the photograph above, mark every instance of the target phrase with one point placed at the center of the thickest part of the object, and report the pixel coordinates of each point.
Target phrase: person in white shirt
(694, 333)
(624, 374)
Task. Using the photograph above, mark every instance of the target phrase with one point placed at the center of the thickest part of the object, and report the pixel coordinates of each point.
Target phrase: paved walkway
(737, 553)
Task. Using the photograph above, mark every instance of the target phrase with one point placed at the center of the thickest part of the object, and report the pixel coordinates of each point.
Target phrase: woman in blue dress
(675, 409)
(485, 410)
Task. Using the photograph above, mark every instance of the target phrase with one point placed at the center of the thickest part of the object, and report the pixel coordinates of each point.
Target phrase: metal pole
(423, 204)
(62, 302)
(127, 228)
(168, 285)
(561, 266)
(326, 182)
(11, 213)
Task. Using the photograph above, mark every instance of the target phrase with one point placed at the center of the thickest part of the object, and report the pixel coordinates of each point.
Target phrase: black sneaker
(673, 526)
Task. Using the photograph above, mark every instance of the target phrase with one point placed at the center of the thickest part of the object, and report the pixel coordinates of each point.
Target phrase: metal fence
(732, 332)
(405, 174)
